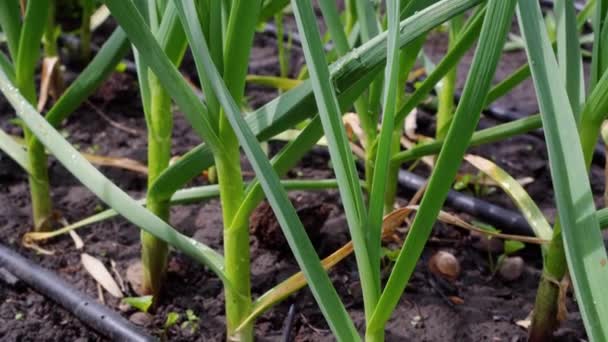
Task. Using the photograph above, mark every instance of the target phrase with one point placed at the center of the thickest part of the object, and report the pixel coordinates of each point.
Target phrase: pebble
(141, 318)
(445, 264)
(511, 268)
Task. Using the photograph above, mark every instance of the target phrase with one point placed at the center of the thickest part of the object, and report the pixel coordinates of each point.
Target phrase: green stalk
(154, 251)
(326, 296)
(159, 122)
(50, 33)
(445, 109)
(546, 306)
(214, 33)
(383, 155)
(283, 51)
(239, 38)
(85, 29)
(28, 54)
(407, 60)
(38, 178)
(368, 105)
(236, 238)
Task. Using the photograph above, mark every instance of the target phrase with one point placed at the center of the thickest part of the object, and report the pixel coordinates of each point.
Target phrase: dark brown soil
(490, 306)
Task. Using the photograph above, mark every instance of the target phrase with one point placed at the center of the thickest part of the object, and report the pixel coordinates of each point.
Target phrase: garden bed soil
(489, 309)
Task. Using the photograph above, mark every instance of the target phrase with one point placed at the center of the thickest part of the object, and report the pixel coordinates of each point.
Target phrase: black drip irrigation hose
(98, 317)
(506, 220)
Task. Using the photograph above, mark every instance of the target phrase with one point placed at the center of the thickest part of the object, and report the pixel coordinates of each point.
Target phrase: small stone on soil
(445, 264)
(511, 268)
(141, 318)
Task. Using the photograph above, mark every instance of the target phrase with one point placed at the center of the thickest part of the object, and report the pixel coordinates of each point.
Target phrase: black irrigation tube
(507, 221)
(87, 310)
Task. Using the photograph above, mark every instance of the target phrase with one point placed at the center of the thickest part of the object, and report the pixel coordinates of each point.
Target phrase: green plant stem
(341, 154)
(154, 251)
(215, 36)
(367, 107)
(546, 305)
(85, 29)
(407, 60)
(350, 11)
(239, 37)
(408, 57)
(42, 207)
(25, 63)
(50, 36)
(282, 50)
(236, 237)
(383, 154)
(445, 109)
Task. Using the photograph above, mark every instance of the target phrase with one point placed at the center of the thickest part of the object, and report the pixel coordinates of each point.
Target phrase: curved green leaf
(518, 194)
